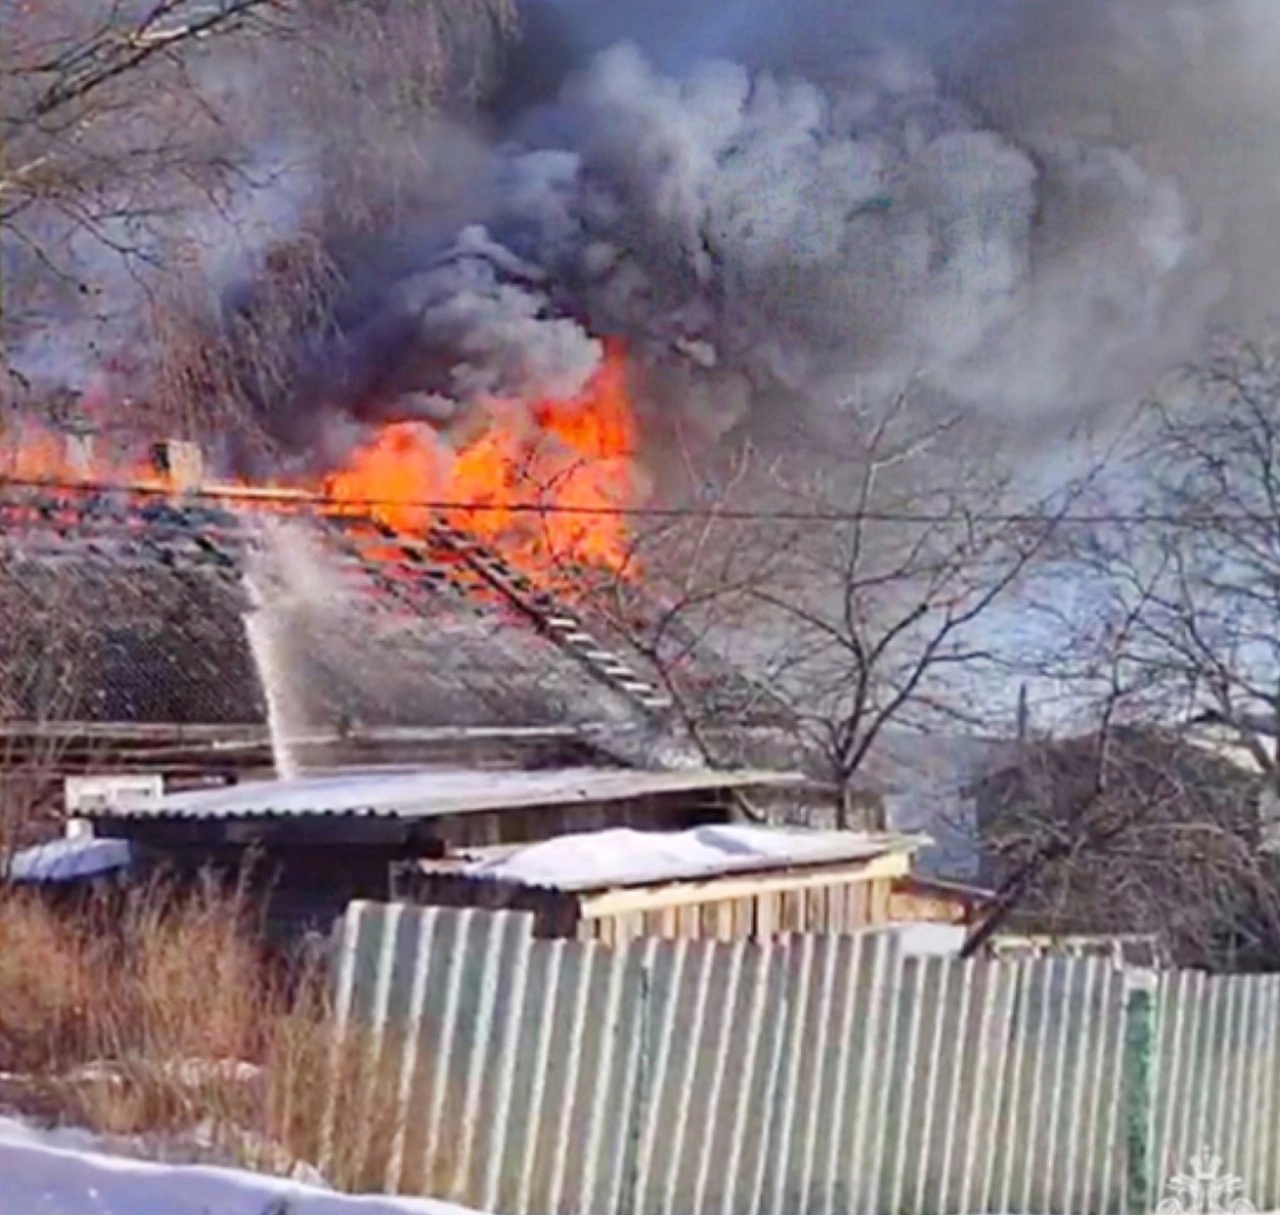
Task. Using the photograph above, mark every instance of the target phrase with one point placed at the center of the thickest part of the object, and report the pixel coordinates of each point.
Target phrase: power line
(245, 495)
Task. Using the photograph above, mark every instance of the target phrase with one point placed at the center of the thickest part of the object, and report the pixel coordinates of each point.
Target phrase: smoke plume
(1022, 208)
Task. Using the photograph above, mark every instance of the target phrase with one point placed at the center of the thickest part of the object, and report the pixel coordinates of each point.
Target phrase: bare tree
(370, 83)
(1128, 829)
(1162, 607)
(141, 162)
(1187, 551)
(108, 129)
(857, 594)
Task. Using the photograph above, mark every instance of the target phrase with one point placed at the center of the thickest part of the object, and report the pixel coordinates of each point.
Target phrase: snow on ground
(622, 856)
(60, 1173)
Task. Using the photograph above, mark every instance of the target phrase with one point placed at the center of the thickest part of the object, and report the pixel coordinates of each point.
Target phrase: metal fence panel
(1218, 1076)
(823, 1074)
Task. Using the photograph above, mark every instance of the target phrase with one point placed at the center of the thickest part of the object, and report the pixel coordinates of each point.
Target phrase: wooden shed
(719, 882)
(317, 842)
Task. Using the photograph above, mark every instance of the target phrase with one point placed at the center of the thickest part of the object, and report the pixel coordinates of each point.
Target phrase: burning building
(158, 620)
(357, 632)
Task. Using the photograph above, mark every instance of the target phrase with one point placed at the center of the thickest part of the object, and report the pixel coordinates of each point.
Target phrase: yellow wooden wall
(831, 910)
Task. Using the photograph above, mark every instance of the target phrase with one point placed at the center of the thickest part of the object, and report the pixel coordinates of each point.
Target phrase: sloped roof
(430, 793)
(203, 611)
(133, 618)
(1158, 769)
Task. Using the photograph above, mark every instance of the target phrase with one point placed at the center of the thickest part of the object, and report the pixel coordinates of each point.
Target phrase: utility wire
(291, 497)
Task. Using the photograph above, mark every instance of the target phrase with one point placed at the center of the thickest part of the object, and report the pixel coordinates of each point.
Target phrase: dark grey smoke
(1026, 208)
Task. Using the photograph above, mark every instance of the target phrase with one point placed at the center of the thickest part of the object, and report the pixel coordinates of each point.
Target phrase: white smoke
(488, 308)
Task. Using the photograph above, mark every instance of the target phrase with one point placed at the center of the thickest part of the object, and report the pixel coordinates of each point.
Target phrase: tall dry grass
(164, 1019)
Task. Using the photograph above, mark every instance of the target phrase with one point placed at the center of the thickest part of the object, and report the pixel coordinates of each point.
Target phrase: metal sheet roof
(434, 792)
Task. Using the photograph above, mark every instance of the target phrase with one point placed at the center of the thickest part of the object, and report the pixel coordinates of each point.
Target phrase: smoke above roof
(1021, 208)
(1024, 212)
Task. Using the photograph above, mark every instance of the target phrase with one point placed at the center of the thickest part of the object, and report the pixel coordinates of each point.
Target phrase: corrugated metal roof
(621, 857)
(434, 792)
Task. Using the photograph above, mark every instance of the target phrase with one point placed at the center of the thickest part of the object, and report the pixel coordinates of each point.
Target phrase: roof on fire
(126, 610)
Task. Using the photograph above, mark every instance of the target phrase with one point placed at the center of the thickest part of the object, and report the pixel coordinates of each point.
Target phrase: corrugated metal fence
(812, 1075)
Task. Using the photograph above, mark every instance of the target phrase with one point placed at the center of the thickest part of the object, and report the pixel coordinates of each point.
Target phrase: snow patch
(930, 940)
(193, 1072)
(58, 1173)
(622, 856)
(68, 860)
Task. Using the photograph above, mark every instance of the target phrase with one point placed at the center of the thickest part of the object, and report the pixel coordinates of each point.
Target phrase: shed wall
(834, 910)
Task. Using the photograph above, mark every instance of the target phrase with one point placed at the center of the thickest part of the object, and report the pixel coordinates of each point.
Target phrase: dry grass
(163, 1019)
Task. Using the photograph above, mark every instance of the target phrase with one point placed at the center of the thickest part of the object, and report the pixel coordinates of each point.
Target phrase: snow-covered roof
(68, 860)
(434, 792)
(624, 857)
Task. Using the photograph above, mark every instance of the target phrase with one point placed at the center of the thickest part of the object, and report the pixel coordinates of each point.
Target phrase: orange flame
(545, 483)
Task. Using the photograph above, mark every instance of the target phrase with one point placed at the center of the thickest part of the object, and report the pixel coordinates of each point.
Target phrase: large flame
(545, 483)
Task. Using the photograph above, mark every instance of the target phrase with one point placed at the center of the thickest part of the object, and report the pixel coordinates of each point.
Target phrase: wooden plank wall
(833, 910)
